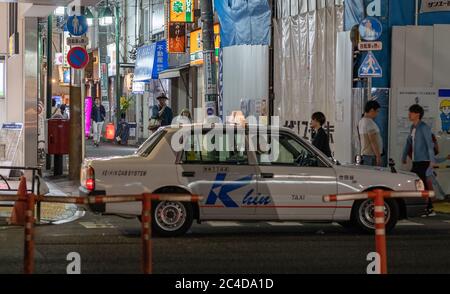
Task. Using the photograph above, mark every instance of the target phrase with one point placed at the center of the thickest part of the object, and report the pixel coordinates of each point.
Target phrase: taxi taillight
(90, 179)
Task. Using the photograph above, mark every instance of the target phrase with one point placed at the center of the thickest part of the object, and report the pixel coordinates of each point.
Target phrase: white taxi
(243, 183)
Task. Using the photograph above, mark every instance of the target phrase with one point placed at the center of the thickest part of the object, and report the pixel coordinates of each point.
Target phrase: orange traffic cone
(19, 212)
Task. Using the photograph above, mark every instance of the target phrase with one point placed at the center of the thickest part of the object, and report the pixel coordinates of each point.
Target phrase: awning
(173, 72)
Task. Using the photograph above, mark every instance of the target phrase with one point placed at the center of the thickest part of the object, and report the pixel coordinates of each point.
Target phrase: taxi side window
(227, 149)
(288, 151)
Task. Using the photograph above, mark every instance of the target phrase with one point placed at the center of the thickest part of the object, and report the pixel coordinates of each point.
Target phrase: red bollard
(146, 234)
(29, 236)
(380, 232)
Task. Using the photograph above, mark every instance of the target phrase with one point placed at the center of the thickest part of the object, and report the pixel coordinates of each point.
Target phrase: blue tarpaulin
(244, 22)
(150, 61)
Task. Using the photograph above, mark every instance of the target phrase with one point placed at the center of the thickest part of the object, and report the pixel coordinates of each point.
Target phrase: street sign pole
(209, 59)
(76, 105)
(48, 157)
(117, 80)
(369, 88)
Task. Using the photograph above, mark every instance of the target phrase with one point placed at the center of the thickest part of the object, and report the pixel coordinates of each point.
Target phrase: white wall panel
(441, 56)
(419, 56)
(3, 28)
(398, 56)
(246, 75)
(343, 95)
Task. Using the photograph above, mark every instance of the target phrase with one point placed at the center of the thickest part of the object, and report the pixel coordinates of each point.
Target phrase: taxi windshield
(147, 147)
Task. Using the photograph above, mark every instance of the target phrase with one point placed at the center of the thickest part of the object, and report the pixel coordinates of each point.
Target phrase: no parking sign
(77, 57)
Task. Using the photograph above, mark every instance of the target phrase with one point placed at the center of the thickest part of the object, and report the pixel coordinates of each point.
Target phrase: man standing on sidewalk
(98, 116)
(420, 142)
(369, 135)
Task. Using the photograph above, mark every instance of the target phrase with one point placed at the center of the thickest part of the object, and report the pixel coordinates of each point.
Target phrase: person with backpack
(420, 142)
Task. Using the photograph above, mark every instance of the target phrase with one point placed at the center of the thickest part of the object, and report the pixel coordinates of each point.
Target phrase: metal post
(271, 101)
(76, 130)
(48, 158)
(369, 89)
(29, 236)
(380, 232)
(118, 88)
(416, 20)
(209, 57)
(146, 234)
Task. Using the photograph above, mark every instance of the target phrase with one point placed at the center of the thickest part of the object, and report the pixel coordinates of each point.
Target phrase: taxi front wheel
(363, 215)
(171, 218)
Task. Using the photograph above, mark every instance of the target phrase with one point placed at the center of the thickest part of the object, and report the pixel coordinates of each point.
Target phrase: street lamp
(106, 16)
(89, 16)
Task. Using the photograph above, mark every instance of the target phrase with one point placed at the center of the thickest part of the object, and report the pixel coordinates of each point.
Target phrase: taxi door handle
(188, 174)
(266, 175)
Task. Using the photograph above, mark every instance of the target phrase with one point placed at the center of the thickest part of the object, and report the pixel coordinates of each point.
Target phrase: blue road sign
(77, 25)
(370, 29)
(77, 57)
(370, 68)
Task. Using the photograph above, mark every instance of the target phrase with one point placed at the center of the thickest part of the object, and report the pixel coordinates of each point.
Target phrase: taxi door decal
(221, 190)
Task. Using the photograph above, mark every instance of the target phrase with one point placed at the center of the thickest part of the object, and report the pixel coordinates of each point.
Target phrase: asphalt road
(113, 245)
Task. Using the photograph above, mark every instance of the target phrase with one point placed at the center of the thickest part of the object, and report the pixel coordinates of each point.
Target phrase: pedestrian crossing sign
(370, 68)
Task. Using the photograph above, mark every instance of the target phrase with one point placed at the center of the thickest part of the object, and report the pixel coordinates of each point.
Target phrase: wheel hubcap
(170, 216)
(367, 213)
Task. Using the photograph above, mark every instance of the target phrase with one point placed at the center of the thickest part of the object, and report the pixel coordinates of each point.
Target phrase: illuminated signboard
(181, 10)
(197, 45)
(177, 38)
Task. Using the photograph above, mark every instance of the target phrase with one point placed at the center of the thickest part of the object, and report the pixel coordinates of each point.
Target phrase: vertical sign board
(161, 61)
(220, 84)
(177, 37)
(196, 45)
(150, 61)
(181, 11)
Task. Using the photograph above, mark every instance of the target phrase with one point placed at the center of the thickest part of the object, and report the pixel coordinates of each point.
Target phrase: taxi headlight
(419, 185)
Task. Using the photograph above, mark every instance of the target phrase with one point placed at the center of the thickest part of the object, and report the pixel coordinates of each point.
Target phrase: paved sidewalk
(54, 213)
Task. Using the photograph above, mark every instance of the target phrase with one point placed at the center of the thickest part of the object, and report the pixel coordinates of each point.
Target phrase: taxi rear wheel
(363, 215)
(171, 218)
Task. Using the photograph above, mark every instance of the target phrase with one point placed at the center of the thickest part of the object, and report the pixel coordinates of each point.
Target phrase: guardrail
(378, 196)
(28, 201)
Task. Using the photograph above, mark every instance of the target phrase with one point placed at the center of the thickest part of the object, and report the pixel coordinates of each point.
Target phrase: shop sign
(111, 59)
(59, 59)
(434, 5)
(181, 10)
(138, 87)
(177, 37)
(151, 60)
(210, 74)
(196, 45)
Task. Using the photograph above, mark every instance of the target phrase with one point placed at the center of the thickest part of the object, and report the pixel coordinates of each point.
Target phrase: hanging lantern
(110, 131)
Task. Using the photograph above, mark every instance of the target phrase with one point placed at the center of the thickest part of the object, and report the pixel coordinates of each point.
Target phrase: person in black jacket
(320, 139)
